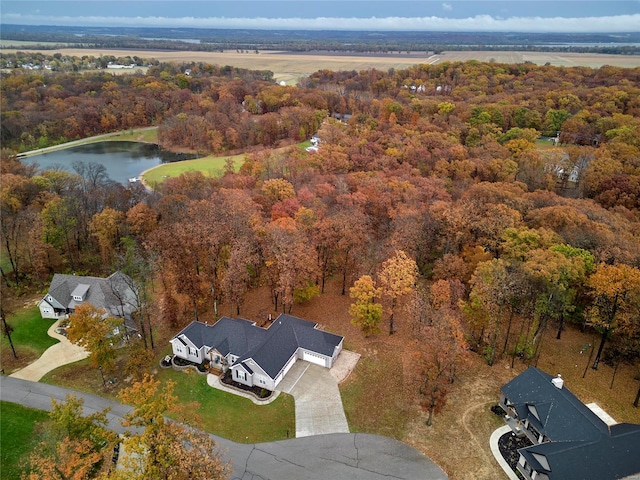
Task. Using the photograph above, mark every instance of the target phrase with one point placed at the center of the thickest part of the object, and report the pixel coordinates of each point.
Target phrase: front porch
(521, 429)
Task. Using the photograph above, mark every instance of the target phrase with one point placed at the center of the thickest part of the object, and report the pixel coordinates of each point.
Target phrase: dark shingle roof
(562, 416)
(114, 294)
(285, 335)
(582, 446)
(227, 335)
(607, 457)
(270, 348)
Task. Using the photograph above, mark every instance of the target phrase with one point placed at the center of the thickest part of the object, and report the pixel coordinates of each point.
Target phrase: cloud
(479, 23)
(447, 6)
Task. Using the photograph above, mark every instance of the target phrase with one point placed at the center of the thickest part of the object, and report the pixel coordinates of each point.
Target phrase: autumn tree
(163, 448)
(241, 266)
(96, 331)
(492, 287)
(397, 278)
(441, 350)
(138, 265)
(105, 227)
(61, 227)
(365, 312)
(616, 299)
(289, 261)
(72, 446)
(16, 215)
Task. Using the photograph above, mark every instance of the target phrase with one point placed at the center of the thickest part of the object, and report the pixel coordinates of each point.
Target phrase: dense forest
(209, 39)
(436, 170)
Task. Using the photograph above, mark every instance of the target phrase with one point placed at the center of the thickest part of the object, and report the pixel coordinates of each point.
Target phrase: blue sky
(422, 15)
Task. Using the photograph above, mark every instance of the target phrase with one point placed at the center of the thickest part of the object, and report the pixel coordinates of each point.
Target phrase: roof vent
(558, 382)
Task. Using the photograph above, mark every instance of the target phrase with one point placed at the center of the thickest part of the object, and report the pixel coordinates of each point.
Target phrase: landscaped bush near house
(257, 391)
(181, 362)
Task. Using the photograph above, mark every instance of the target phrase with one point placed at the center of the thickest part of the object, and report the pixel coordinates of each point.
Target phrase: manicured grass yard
(210, 166)
(139, 135)
(221, 413)
(16, 437)
(30, 330)
(29, 338)
(543, 144)
(231, 416)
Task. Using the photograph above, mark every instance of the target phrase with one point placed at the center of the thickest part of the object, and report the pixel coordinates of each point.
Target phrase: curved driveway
(340, 456)
(55, 356)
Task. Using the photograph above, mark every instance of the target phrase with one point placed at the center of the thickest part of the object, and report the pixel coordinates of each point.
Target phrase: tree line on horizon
(388, 42)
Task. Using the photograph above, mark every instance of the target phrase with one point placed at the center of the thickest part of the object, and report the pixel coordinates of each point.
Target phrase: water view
(122, 160)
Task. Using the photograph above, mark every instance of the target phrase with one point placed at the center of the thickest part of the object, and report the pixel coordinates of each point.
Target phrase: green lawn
(147, 136)
(16, 437)
(233, 417)
(210, 166)
(542, 144)
(29, 331)
(221, 413)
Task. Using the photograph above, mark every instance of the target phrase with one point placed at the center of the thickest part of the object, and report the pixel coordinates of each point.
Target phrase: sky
(580, 16)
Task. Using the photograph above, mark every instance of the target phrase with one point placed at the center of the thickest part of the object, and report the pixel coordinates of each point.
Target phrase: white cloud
(447, 6)
(479, 23)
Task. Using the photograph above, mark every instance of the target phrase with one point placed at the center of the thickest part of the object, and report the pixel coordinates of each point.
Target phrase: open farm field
(289, 67)
(26, 43)
(559, 59)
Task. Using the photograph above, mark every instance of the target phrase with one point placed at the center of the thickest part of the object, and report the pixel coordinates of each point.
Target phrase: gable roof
(582, 446)
(561, 416)
(606, 457)
(227, 335)
(285, 335)
(270, 348)
(114, 293)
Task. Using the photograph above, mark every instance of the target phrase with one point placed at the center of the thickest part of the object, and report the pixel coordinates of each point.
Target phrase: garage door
(314, 358)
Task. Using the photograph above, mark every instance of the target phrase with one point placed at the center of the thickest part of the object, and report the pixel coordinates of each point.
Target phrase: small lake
(122, 160)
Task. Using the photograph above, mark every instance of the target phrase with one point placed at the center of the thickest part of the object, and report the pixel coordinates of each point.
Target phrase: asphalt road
(338, 456)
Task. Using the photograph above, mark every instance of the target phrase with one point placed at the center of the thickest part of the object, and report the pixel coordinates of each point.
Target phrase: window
(262, 381)
(193, 351)
(241, 375)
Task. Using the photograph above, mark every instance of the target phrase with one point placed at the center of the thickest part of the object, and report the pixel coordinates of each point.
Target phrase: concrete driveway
(53, 357)
(318, 403)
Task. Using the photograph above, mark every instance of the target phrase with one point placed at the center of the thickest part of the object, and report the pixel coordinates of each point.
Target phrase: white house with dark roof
(569, 441)
(255, 355)
(114, 294)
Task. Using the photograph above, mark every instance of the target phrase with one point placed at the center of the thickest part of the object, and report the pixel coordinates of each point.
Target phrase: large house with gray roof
(255, 355)
(569, 440)
(115, 294)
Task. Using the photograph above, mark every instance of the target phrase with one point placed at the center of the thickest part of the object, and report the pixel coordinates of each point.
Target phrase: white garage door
(314, 358)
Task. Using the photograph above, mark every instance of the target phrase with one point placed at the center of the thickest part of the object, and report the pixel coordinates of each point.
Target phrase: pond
(122, 160)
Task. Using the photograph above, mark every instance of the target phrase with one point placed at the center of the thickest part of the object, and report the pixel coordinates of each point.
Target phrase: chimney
(558, 382)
